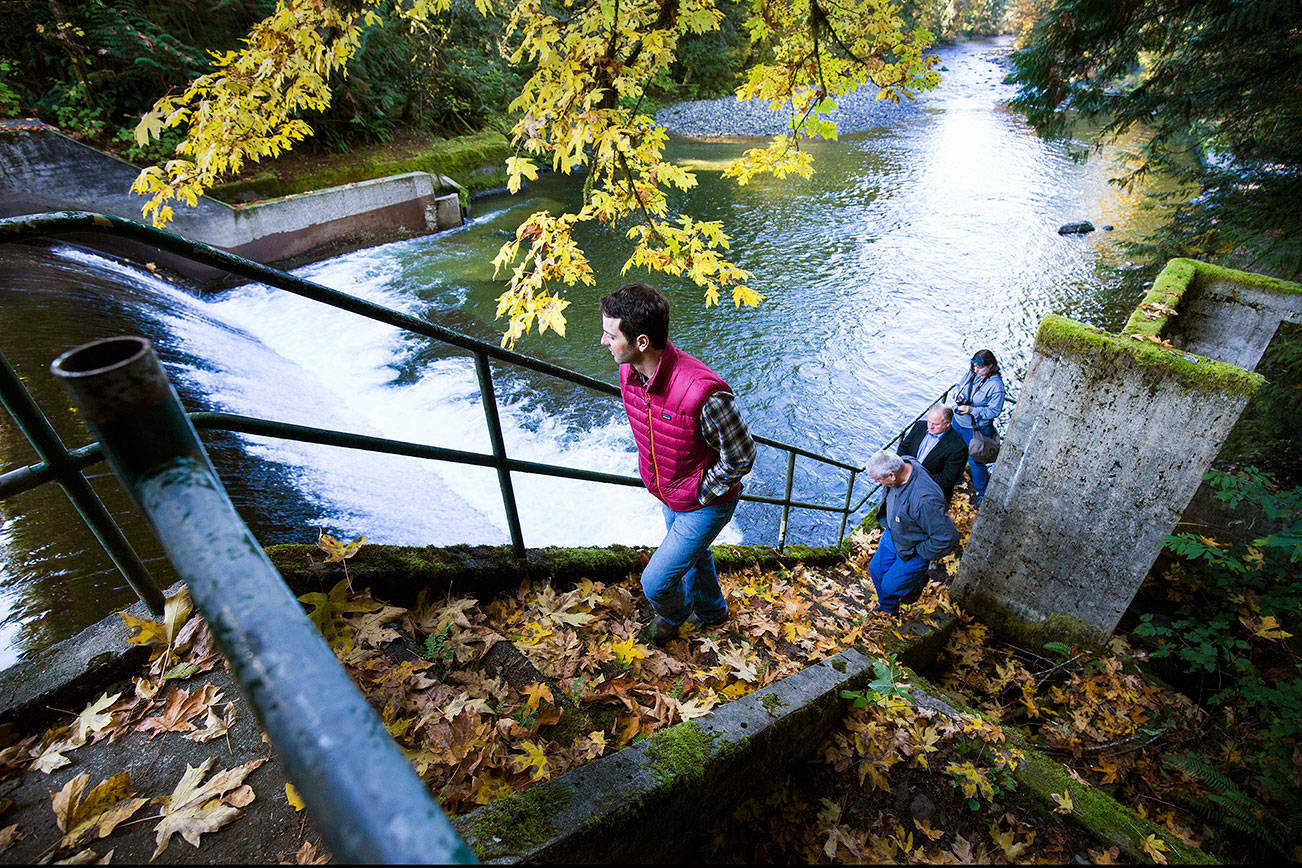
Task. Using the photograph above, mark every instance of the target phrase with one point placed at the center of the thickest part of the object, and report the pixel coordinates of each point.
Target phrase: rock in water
(1080, 228)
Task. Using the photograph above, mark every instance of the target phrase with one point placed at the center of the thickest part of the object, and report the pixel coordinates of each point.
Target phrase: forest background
(1213, 86)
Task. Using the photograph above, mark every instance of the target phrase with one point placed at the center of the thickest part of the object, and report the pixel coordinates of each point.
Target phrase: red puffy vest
(666, 419)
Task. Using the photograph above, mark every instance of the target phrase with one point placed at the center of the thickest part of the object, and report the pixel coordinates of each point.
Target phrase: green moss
(839, 665)
(513, 825)
(1040, 778)
(1167, 291)
(1069, 338)
(476, 162)
(678, 752)
(1207, 273)
(772, 703)
(1179, 276)
(1057, 627)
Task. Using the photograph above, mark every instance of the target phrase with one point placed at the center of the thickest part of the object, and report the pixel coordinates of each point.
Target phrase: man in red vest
(692, 451)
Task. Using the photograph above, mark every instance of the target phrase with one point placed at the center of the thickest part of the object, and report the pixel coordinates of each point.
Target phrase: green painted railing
(81, 223)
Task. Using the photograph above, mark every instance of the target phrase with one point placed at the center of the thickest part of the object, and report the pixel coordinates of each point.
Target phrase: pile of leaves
(899, 782)
(1112, 727)
(200, 802)
(490, 698)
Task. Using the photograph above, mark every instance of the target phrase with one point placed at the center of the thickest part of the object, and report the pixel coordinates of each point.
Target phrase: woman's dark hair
(641, 310)
(981, 358)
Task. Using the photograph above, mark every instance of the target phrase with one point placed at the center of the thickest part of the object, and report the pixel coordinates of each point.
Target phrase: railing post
(845, 516)
(364, 797)
(32, 422)
(786, 505)
(489, 397)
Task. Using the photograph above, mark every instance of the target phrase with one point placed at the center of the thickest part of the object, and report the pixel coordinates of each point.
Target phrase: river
(913, 245)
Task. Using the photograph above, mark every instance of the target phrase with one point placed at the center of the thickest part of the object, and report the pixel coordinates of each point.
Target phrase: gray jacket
(985, 394)
(917, 519)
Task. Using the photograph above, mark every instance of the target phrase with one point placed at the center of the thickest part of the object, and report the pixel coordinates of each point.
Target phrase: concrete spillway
(43, 170)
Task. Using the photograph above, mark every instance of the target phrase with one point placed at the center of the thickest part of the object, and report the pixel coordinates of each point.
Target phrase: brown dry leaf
(195, 808)
(88, 857)
(95, 717)
(307, 855)
(179, 707)
(215, 724)
(50, 757)
(78, 813)
(1104, 857)
(10, 834)
(372, 630)
(196, 642)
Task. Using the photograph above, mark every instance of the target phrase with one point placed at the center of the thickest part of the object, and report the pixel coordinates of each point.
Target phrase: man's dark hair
(641, 310)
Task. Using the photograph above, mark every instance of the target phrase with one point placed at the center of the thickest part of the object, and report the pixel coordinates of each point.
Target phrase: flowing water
(912, 246)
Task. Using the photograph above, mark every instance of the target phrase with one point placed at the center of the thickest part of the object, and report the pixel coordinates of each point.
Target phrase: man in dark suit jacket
(941, 450)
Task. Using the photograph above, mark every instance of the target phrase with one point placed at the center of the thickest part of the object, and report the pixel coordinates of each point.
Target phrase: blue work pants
(895, 578)
(680, 578)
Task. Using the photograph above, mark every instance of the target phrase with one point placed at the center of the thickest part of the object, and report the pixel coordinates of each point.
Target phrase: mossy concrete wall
(1216, 312)
(43, 170)
(1108, 443)
(650, 802)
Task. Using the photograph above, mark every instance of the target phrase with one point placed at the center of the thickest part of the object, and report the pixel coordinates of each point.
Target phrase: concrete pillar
(1108, 443)
(1223, 314)
(1107, 446)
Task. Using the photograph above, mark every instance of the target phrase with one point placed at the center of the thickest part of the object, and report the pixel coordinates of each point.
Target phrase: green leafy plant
(1236, 605)
(1223, 802)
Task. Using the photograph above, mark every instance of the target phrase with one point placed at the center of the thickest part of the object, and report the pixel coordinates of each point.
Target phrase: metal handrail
(1008, 399)
(365, 798)
(34, 226)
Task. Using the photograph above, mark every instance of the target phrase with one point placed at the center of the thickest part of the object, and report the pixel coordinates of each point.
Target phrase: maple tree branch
(646, 215)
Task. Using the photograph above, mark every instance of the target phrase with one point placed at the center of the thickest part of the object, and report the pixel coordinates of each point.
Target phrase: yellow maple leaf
(628, 651)
(1063, 801)
(531, 757)
(294, 799)
(1269, 629)
(538, 693)
(1155, 847)
(81, 815)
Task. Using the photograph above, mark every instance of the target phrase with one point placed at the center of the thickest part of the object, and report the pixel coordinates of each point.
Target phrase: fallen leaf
(308, 855)
(294, 799)
(94, 718)
(531, 757)
(51, 757)
(178, 709)
(1063, 801)
(1155, 847)
(8, 835)
(215, 724)
(1104, 857)
(538, 693)
(195, 808)
(79, 813)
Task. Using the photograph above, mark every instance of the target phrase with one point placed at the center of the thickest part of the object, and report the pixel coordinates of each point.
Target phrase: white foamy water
(337, 370)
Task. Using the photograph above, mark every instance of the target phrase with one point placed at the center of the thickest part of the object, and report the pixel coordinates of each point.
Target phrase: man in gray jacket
(918, 530)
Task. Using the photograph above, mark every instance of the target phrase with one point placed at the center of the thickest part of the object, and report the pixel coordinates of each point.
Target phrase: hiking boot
(659, 632)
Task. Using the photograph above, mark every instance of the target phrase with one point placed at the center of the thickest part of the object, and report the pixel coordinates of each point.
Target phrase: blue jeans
(980, 472)
(895, 578)
(680, 578)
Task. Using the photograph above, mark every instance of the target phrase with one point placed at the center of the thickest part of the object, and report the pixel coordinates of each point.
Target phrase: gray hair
(948, 411)
(882, 462)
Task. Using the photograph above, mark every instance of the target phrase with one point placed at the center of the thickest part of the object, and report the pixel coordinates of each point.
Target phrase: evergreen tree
(1213, 91)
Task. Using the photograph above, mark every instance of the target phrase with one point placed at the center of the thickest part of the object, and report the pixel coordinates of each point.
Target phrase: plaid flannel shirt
(725, 432)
